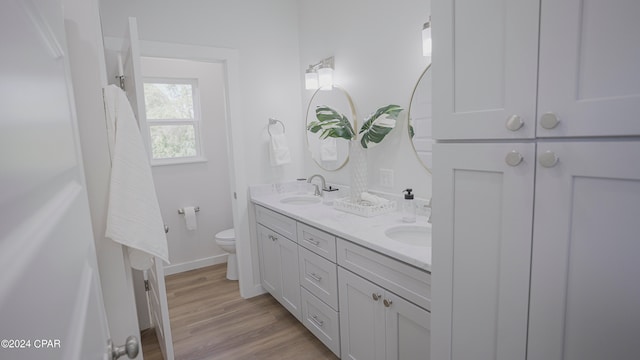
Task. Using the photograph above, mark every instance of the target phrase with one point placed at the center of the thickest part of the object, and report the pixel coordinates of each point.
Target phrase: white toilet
(226, 239)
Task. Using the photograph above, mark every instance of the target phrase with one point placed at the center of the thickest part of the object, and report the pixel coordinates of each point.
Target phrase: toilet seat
(227, 235)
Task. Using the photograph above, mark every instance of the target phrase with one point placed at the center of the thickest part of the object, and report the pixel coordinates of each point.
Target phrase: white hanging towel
(133, 217)
(279, 153)
(329, 149)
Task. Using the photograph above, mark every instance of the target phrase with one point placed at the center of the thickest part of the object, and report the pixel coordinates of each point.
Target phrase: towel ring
(273, 121)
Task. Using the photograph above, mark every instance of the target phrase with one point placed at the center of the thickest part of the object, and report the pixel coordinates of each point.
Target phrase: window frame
(196, 122)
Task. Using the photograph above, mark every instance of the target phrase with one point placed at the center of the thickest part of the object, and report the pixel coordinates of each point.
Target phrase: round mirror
(331, 153)
(420, 119)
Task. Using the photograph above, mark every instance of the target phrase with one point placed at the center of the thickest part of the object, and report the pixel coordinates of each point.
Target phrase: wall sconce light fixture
(426, 38)
(320, 75)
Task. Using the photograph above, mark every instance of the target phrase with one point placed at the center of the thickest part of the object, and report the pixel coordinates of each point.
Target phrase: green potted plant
(376, 126)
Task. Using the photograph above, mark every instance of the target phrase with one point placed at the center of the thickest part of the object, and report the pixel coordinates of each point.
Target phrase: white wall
(203, 184)
(377, 46)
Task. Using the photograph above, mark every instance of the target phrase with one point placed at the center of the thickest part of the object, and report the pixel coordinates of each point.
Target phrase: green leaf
(330, 123)
(379, 124)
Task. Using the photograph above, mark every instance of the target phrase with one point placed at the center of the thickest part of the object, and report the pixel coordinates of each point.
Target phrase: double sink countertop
(365, 231)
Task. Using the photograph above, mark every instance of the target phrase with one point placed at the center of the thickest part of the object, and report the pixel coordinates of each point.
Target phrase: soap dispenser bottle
(408, 207)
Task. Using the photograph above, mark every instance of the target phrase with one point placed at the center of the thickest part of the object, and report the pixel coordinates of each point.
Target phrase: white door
(290, 275)
(158, 306)
(589, 78)
(50, 299)
(585, 269)
(408, 329)
(269, 261)
(480, 287)
(485, 61)
(362, 322)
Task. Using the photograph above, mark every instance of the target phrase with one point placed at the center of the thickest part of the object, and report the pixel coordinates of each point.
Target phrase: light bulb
(310, 80)
(325, 78)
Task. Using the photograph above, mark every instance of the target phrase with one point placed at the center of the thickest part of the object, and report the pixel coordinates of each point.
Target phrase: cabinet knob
(549, 121)
(514, 123)
(375, 296)
(548, 159)
(513, 158)
(387, 303)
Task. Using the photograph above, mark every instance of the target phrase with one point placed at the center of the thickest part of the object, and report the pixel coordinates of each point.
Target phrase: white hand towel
(279, 150)
(133, 217)
(190, 218)
(328, 149)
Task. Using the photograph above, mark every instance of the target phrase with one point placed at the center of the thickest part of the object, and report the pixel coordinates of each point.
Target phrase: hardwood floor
(209, 320)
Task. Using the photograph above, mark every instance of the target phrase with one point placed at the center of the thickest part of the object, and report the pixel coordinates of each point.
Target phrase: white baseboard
(194, 264)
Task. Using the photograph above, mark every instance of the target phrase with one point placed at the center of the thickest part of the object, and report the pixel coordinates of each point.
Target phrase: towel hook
(273, 121)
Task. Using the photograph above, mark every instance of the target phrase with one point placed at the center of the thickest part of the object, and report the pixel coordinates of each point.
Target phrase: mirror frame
(415, 88)
(354, 123)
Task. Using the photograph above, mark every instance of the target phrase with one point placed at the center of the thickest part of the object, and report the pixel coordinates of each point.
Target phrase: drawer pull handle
(314, 318)
(311, 241)
(273, 238)
(375, 296)
(387, 303)
(315, 277)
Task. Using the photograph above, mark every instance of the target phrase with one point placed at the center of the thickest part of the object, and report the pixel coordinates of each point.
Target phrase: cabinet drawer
(321, 320)
(318, 241)
(319, 276)
(405, 280)
(277, 222)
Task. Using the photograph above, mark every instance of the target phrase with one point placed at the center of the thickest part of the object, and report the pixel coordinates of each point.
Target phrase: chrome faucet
(318, 190)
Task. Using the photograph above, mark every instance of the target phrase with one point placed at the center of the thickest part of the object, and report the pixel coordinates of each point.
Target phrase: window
(173, 118)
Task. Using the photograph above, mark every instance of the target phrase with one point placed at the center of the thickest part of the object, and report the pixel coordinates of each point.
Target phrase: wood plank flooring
(209, 320)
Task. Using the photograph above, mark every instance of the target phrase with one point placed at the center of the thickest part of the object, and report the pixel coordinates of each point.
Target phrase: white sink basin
(301, 200)
(417, 235)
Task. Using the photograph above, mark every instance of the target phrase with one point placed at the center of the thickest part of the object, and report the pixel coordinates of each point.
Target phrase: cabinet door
(482, 211)
(269, 261)
(485, 61)
(362, 325)
(408, 335)
(290, 280)
(586, 247)
(589, 78)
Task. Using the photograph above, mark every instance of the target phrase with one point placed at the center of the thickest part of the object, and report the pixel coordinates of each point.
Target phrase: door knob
(387, 303)
(514, 123)
(513, 158)
(130, 348)
(375, 296)
(548, 159)
(549, 121)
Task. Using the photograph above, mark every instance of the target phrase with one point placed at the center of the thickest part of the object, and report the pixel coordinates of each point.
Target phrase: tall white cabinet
(536, 195)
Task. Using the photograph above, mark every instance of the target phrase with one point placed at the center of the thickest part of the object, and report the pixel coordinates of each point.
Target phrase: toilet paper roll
(190, 218)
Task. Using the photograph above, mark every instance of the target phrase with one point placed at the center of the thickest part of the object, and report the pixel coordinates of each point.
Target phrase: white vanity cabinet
(298, 268)
(278, 256)
(585, 291)
(375, 322)
(492, 86)
(319, 281)
(560, 284)
(481, 251)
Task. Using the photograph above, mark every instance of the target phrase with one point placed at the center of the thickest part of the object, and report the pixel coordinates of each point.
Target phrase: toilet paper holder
(181, 211)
